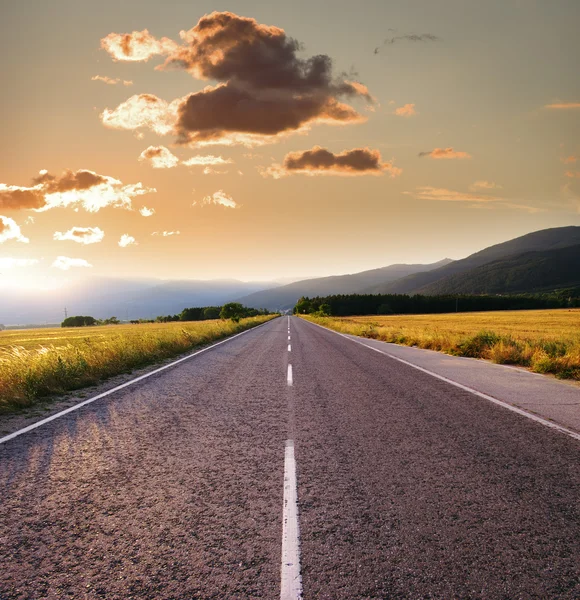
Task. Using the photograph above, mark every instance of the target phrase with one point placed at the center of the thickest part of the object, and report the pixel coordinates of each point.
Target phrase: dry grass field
(546, 341)
(36, 363)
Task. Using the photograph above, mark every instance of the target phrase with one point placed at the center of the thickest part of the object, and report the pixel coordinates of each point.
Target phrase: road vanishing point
(293, 462)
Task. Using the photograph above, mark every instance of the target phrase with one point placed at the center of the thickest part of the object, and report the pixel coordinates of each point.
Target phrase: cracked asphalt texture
(407, 486)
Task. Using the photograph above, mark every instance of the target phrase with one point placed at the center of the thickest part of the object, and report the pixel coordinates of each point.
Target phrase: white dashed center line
(291, 579)
(289, 376)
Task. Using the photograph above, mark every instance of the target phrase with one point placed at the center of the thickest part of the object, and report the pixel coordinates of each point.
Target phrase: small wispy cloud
(445, 153)
(111, 81)
(7, 262)
(64, 263)
(484, 185)
(563, 105)
(569, 160)
(146, 212)
(10, 230)
(434, 194)
(136, 46)
(572, 174)
(159, 157)
(127, 240)
(166, 233)
(445, 195)
(219, 198)
(408, 110)
(206, 160)
(524, 207)
(408, 37)
(81, 235)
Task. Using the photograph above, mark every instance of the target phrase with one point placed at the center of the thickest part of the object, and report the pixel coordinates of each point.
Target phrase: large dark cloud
(264, 88)
(215, 112)
(226, 47)
(320, 161)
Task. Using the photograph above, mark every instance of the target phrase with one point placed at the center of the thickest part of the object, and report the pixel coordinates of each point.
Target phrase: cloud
(166, 233)
(65, 263)
(82, 188)
(563, 105)
(219, 198)
(526, 207)
(142, 111)
(569, 159)
(445, 195)
(475, 200)
(320, 161)
(136, 46)
(127, 240)
(207, 160)
(9, 230)
(146, 212)
(264, 89)
(159, 157)
(572, 174)
(110, 81)
(408, 110)
(82, 235)
(10, 263)
(439, 153)
(409, 37)
(484, 185)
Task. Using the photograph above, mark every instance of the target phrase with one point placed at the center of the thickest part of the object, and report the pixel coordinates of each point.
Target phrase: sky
(260, 141)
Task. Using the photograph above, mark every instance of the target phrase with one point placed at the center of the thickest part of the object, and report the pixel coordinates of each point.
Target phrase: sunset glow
(183, 142)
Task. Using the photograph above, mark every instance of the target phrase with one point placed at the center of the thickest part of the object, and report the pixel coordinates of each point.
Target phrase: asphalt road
(178, 486)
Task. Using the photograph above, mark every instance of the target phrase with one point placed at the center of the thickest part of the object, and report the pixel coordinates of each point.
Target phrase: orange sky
(172, 141)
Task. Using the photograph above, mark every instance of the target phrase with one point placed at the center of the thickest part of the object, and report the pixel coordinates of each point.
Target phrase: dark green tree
(79, 321)
(211, 312)
(234, 311)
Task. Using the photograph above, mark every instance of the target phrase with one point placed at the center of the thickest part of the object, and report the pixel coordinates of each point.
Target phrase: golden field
(36, 363)
(546, 341)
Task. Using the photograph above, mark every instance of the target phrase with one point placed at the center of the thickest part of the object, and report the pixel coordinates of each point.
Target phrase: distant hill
(538, 241)
(285, 296)
(102, 297)
(544, 271)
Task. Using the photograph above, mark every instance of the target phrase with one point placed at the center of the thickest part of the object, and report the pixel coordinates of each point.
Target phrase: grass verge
(545, 341)
(28, 374)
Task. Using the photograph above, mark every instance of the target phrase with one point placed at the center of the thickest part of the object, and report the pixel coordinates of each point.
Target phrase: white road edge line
(290, 577)
(289, 376)
(511, 407)
(120, 387)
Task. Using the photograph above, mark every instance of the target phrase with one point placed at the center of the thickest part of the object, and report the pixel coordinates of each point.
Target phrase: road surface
(290, 460)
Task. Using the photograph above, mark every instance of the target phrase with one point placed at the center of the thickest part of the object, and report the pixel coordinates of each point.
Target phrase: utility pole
(65, 313)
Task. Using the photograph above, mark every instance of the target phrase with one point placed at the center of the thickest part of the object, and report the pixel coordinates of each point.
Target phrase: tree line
(344, 305)
(232, 310)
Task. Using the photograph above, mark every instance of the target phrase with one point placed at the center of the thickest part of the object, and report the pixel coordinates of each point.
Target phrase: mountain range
(542, 261)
